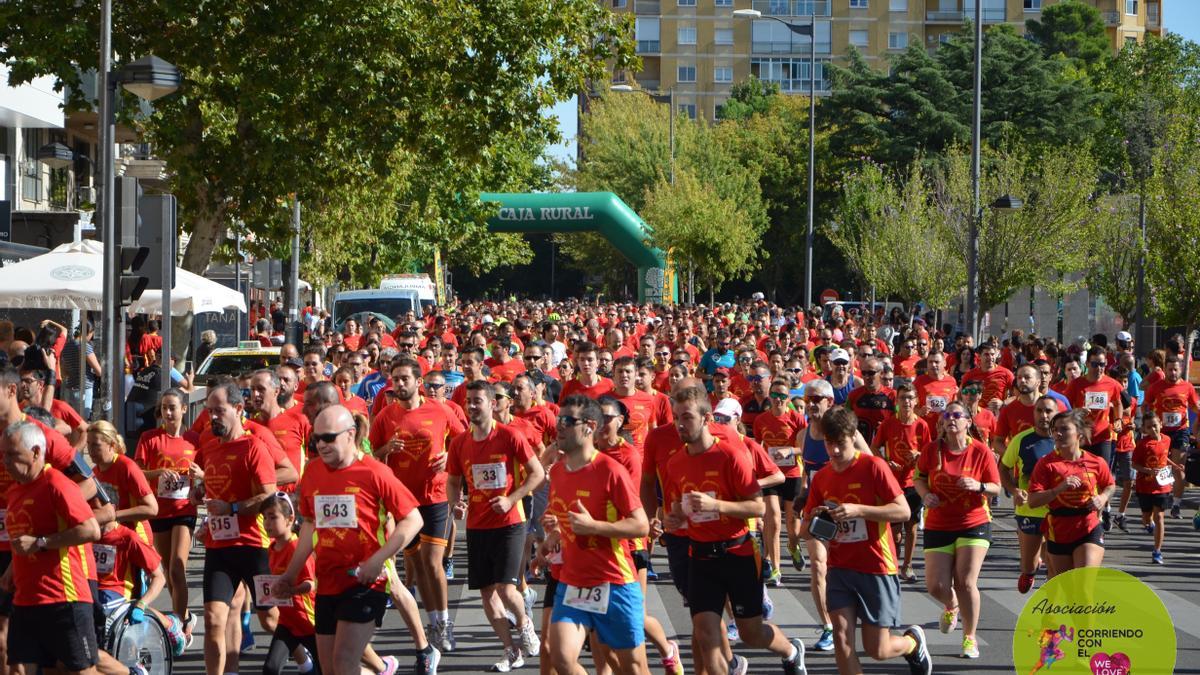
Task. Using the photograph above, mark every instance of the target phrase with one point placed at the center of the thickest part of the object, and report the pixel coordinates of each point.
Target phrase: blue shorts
(621, 628)
(1031, 525)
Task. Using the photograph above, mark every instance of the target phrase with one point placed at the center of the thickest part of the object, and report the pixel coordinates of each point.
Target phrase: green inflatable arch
(602, 212)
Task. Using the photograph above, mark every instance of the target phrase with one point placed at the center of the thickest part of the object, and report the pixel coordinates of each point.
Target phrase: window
(723, 36)
(619, 4)
(860, 38)
(790, 73)
(688, 109)
(685, 74)
(646, 31)
(858, 4)
(1152, 14)
(897, 40)
(30, 167)
(685, 35)
(945, 37)
(723, 74)
(897, 5)
(776, 38)
(1131, 7)
(723, 3)
(687, 3)
(1033, 5)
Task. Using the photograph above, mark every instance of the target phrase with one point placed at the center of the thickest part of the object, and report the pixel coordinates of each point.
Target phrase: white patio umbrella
(71, 277)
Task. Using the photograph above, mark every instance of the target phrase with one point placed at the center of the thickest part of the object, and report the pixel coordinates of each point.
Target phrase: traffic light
(133, 279)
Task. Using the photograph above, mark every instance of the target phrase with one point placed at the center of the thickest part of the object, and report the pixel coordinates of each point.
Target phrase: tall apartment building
(698, 48)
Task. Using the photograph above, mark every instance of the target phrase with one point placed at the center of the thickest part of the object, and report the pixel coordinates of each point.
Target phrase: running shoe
(906, 574)
(948, 621)
(138, 669)
(795, 665)
(1175, 512)
(825, 642)
(1119, 521)
(441, 635)
(247, 634)
(651, 575)
(671, 663)
(798, 559)
(919, 662)
(1106, 520)
(448, 565)
(1156, 558)
(970, 648)
(768, 606)
(738, 665)
(768, 570)
(731, 632)
(776, 579)
(1024, 583)
(511, 661)
(531, 597)
(1149, 528)
(530, 643)
(428, 660)
(391, 665)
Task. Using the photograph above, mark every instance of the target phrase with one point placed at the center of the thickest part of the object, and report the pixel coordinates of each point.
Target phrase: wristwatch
(40, 543)
(982, 487)
(233, 508)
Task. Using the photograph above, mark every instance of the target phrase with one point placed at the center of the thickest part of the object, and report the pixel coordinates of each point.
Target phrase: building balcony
(758, 47)
(1112, 18)
(649, 46)
(957, 17)
(646, 7)
(794, 7)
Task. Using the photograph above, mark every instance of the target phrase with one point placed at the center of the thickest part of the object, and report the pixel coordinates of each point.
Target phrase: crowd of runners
(570, 441)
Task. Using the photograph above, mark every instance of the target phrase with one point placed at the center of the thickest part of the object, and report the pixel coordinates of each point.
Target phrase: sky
(1181, 16)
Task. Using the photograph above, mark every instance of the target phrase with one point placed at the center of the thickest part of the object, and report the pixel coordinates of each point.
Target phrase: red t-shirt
(125, 485)
(357, 405)
(941, 469)
(1054, 469)
(907, 367)
(362, 494)
(300, 619)
(608, 494)
(59, 454)
(724, 471)
(871, 408)
(424, 430)
(1014, 418)
(1151, 454)
(156, 450)
(935, 395)
(662, 382)
(760, 461)
(782, 432)
(1097, 398)
(901, 443)
(996, 382)
(643, 416)
(628, 456)
(63, 413)
(234, 472)
(861, 545)
(543, 419)
(121, 555)
(47, 505)
(985, 422)
(291, 430)
(489, 469)
(1171, 402)
(504, 372)
(604, 386)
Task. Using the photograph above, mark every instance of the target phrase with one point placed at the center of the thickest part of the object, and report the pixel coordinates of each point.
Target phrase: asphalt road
(1177, 583)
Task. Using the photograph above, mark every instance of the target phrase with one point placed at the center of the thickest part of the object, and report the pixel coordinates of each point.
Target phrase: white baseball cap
(729, 407)
(839, 354)
(1124, 336)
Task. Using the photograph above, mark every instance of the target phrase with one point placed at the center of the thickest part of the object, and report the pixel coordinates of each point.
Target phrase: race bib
(936, 404)
(106, 558)
(1172, 419)
(555, 556)
(489, 476)
(700, 516)
(223, 528)
(336, 511)
(593, 599)
(851, 531)
(1095, 400)
(3, 527)
(173, 489)
(262, 586)
(785, 458)
(1165, 476)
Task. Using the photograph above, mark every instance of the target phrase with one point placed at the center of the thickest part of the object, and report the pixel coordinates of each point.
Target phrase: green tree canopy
(1072, 29)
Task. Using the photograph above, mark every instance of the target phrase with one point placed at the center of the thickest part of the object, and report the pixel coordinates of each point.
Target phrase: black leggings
(283, 643)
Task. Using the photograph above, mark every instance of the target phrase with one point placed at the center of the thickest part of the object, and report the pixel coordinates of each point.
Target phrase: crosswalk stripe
(1184, 614)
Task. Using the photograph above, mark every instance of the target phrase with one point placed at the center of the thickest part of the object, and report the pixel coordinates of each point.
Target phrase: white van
(421, 283)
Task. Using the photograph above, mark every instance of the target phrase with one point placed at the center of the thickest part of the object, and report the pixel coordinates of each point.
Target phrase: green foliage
(1072, 29)
(1173, 225)
(749, 97)
(1117, 247)
(348, 104)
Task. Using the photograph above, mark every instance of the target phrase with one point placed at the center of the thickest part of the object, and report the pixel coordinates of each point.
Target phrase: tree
(1116, 253)
(1072, 29)
(1173, 227)
(747, 98)
(346, 104)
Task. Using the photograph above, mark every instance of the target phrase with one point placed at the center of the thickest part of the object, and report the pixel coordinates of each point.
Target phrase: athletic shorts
(436, 528)
(874, 597)
(786, 491)
(48, 634)
(915, 504)
(225, 568)
(6, 598)
(1122, 467)
(1096, 536)
(641, 559)
(1181, 439)
(677, 561)
(357, 604)
(737, 578)
(943, 541)
(1103, 450)
(1148, 502)
(165, 524)
(1031, 525)
(494, 556)
(620, 627)
(541, 499)
(551, 591)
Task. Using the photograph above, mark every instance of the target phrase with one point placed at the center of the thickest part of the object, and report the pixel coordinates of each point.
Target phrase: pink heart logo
(1116, 664)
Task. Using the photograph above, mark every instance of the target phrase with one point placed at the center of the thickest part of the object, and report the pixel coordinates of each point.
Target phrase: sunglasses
(745, 359)
(954, 415)
(972, 392)
(755, 378)
(779, 396)
(795, 370)
(870, 373)
(1096, 364)
(679, 362)
(331, 436)
(570, 421)
(434, 385)
(722, 419)
(813, 399)
(285, 502)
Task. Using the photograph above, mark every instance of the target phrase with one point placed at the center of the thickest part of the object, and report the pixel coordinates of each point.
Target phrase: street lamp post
(811, 31)
(976, 206)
